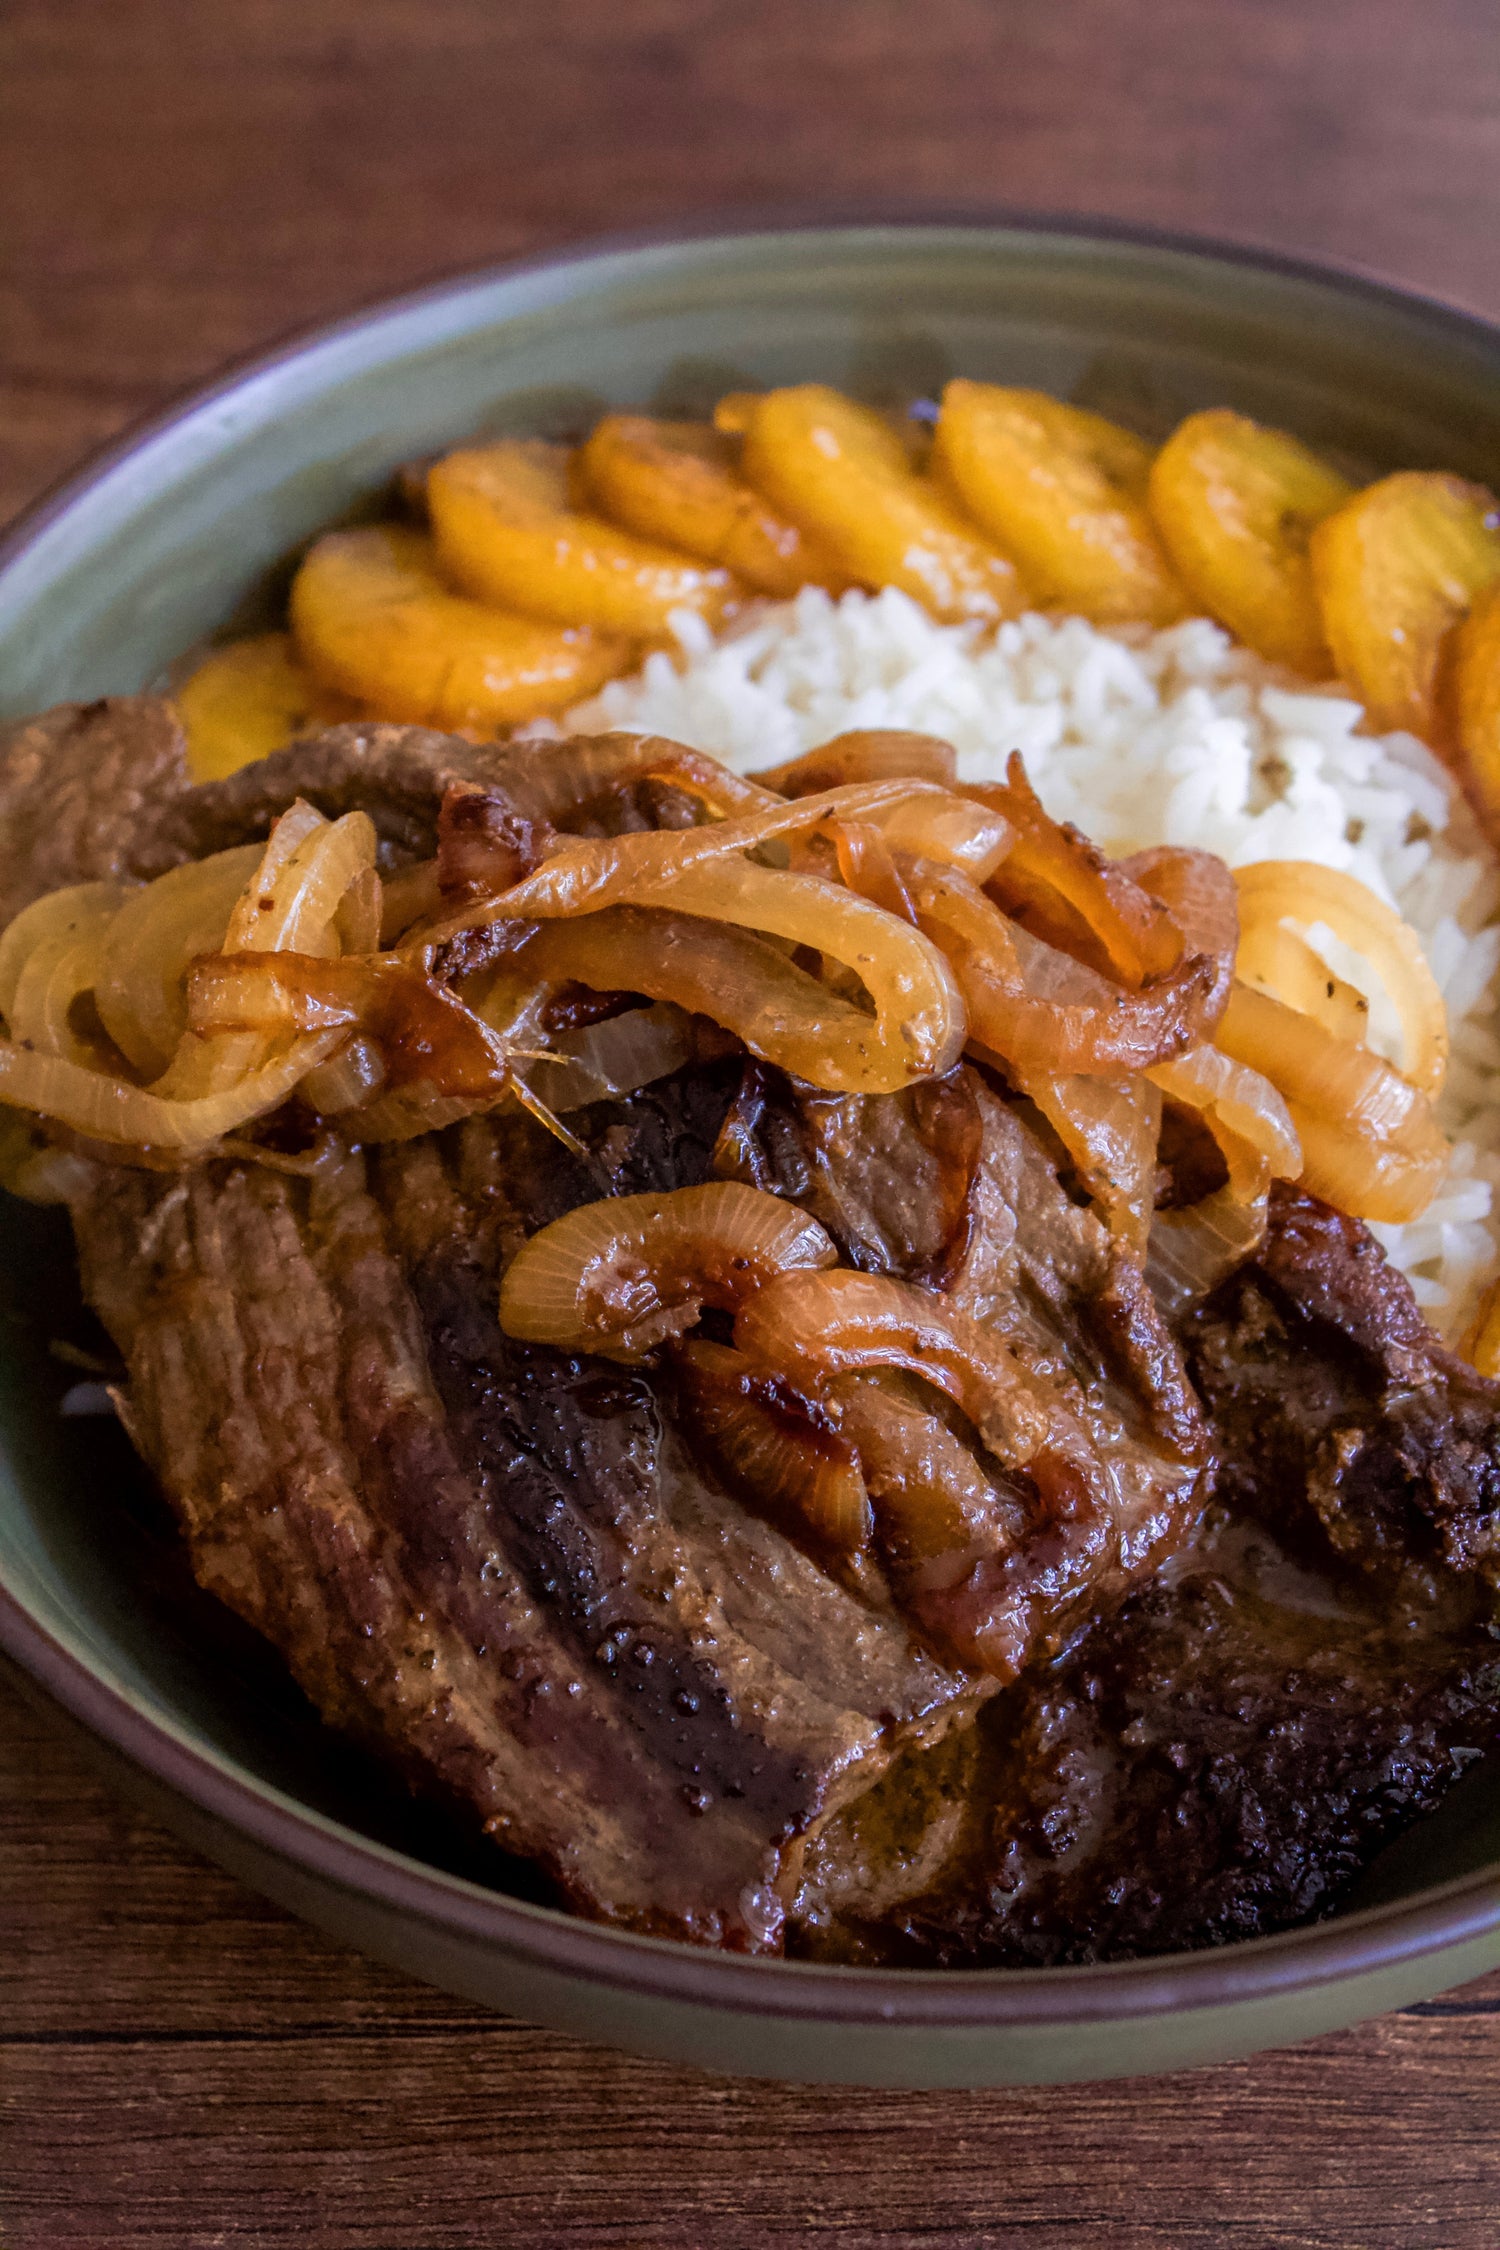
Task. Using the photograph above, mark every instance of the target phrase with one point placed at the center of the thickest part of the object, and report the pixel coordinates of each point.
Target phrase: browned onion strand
(1064, 887)
(421, 1029)
(1045, 1014)
(587, 873)
(867, 754)
(558, 780)
(789, 1461)
(1277, 890)
(1245, 1114)
(842, 1323)
(624, 1275)
(1370, 1143)
(1110, 1128)
(1190, 1252)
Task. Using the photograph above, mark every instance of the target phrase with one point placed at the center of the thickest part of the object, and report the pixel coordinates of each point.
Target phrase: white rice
(1174, 737)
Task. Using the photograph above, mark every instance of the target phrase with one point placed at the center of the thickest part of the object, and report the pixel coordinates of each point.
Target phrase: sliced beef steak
(1343, 1415)
(81, 789)
(495, 1562)
(1221, 1759)
(1227, 1753)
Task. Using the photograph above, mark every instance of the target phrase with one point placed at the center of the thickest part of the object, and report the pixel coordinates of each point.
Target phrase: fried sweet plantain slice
(1064, 491)
(374, 618)
(509, 530)
(1236, 504)
(734, 410)
(841, 472)
(250, 698)
(1474, 716)
(680, 482)
(1396, 569)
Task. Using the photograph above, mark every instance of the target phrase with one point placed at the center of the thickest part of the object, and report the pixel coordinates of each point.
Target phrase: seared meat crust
(495, 1562)
(1227, 1753)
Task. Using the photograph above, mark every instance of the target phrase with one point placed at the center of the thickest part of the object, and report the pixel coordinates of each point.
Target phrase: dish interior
(195, 529)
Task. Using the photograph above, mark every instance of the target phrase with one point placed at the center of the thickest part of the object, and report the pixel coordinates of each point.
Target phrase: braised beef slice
(1226, 1753)
(494, 1562)
(80, 790)
(1344, 1418)
(889, 1175)
(1222, 1759)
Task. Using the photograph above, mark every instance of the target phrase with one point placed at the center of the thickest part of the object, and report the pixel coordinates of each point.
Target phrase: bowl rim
(1437, 1918)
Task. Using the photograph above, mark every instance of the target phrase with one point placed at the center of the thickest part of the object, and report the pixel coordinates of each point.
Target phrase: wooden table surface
(179, 181)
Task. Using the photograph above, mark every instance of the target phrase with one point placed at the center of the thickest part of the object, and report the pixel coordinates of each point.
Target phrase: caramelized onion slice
(1242, 1109)
(292, 901)
(866, 754)
(843, 1323)
(49, 957)
(1064, 889)
(917, 1028)
(1043, 1014)
(1370, 1143)
(1279, 890)
(1192, 1251)
(614, 1057)
(781, 1453)
(423, 1030)
(104, 1108)
(587, 873)
(558, 779)
(623, 1275)
(1110, 1128)
(739, 980)
(954, 830)
(141, 990)
(1274, 959)
(1198, 892)
(946, 1532)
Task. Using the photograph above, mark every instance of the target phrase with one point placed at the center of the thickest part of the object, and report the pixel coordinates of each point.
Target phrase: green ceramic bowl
(188, 525)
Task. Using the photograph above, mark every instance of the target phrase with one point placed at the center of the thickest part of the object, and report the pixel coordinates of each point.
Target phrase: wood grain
(180, 2065)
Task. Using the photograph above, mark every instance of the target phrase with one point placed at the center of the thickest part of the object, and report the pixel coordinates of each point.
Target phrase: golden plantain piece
(508, 529)
(249, 698)
(841, 472)
(733, 412)
(1473, 711)
(1396, 569)
(679, 482)
(1236, 504)
(374, 618)
(1064, 491)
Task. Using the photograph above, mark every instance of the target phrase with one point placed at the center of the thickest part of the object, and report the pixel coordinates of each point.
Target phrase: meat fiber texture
(1227, 1752)
(500, 1566)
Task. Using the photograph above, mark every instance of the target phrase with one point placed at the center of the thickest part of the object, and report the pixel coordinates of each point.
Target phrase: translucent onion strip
(1275, 959)
(49, 958)
(557, 780)
(1242, 1109)
(1370, 1143)
(843, 1323)
(866, 754)
(918, 1026)
(103, 1108)
(1046, 1014)
(625, 1274)
(1296, 890)
(1110, 1128)
(159, 930)
(1192, 1251)
(1064, 888)
(784, 1457)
